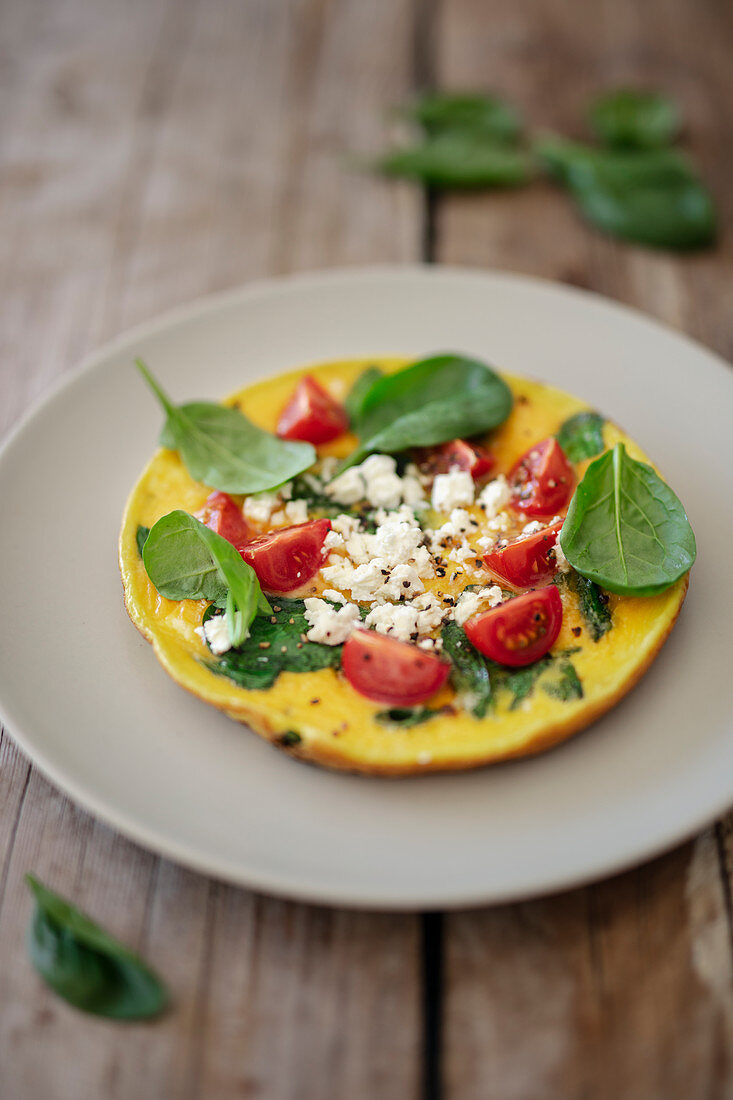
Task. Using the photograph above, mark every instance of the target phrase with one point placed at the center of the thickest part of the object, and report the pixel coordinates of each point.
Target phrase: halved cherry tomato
(526, 561)
(458, 453)
(519, 631)
(542, 480)
(287, 558)
(389, 671)
(311, 414)
(222, 515)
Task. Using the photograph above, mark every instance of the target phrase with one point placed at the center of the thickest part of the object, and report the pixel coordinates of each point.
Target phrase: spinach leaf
(275, 644)
(405, 717)
(652, 197)
(458, 159)
(634, 120)
(140, 536)
(581, 436)
(565, 685)
(519, 682)
(223, 449)
(469, 674)
(592, 602)
(85, 965)
(429, 402)
(186, 560)
(357, 393)
(482, 115)
(625, 528)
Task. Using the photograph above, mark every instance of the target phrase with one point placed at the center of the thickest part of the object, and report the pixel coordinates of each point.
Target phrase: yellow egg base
(337, 726)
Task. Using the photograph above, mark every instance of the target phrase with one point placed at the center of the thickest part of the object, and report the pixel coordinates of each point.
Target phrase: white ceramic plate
(85, 698)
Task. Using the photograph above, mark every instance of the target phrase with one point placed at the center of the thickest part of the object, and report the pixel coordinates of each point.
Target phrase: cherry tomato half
(542, 480)
(458, 453)
(526, 561)
(519, 631)
(389, 671)
(222, 515)
(312, 415)
(287, 558)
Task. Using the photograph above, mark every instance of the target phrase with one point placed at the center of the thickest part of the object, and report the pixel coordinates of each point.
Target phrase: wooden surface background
(154, 150)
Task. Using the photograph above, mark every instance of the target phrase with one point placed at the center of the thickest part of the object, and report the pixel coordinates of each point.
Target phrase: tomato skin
(388, 671)
(526, 562)
(222, 515)
(458, 453)
(519, 631)
(312, 415)
(542, 480)
(285, 559)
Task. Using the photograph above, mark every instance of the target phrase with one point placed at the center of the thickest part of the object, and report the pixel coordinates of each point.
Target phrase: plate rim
(287, 885)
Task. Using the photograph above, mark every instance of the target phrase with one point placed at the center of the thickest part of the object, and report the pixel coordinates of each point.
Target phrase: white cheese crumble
(329, 625)
(259, 507)
(334, 596)
(561, 561)
(215, 631)
(532, 528)
(376, 480)
(452, 490)
(345, 525)
(333, 540)
(469, 603)
(495, 496)
(397, 620)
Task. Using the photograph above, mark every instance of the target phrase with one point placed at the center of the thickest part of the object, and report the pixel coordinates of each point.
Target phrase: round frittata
(307, 707)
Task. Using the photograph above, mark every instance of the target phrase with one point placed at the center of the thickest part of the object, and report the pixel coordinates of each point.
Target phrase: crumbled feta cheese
(329, 465)
(561, 561)
(216, 633)
(413, 491)
(334, 596)
(495, 496)
(397, 620)
(402, 583)
(259, 507)
(364, 581)
(278, 519)
(452, 490)
(296, 511)
(533, 527)
(423, 562)
(431, 612)
(348, 487)
(382, 485)
(328, 625)
(461, 553)
(333, 540)
(345, 525)
(469, 603)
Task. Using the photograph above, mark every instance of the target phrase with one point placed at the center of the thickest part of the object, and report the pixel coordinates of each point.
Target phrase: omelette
(441, 627)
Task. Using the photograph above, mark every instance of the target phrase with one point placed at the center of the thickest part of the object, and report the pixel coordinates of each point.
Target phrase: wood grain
(155, 151)
(159, 149)
(622, 989)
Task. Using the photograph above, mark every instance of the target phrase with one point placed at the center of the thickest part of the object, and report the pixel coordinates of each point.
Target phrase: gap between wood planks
(432, 924)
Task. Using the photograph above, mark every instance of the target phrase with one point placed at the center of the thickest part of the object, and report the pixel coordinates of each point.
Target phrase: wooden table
(155, 150)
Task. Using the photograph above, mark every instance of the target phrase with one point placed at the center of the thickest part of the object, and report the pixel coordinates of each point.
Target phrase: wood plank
(622, 989)
(154, 151)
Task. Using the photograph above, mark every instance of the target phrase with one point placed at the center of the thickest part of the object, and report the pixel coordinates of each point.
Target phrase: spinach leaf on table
(651, 196)
(85, 965)
(469, 673)
(186, 560)
(275, 644)
(459, 160)
(481, 115)
(224, 450)
(581, 436)
(634, 119)
(625, 528)
(429, 402)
